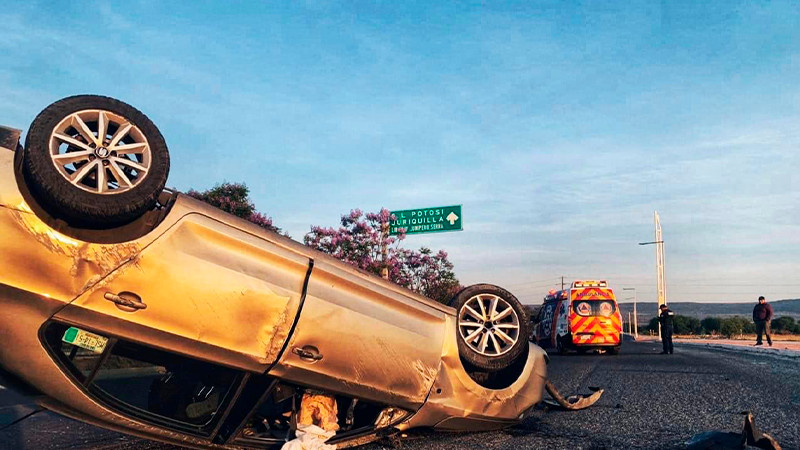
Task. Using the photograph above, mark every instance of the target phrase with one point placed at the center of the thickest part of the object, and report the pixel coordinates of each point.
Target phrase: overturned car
(142, 310)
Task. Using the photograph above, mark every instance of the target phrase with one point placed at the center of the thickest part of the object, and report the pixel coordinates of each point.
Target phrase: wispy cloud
(559, 129)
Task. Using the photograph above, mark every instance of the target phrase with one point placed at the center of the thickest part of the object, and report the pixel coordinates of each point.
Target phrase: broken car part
(573, 402)
(721, 440)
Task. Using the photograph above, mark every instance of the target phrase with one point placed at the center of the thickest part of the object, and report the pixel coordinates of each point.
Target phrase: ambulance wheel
(492, 326)
(94, 162)
(560, 347)
(613, 351)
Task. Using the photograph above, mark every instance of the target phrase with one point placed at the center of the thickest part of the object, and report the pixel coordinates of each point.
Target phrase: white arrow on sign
(452, 217)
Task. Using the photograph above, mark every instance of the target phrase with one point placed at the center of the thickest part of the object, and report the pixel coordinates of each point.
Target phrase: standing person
(666, 328)
(762, 315)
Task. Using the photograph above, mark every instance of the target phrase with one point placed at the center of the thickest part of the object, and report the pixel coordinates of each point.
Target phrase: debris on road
(317, 422)
(310, 437)
(755, 437)
(720, 440)
(319, 409)
(573, 402)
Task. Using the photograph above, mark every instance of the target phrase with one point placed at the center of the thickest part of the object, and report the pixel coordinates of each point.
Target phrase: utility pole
(662, 286)
(562, 282)
(660, 281)
(629, 323)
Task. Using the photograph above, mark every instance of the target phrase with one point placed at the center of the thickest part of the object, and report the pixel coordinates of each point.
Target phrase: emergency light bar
(589, 283)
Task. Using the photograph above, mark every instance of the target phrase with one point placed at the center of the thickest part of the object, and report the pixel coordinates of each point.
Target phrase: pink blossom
(359, 241)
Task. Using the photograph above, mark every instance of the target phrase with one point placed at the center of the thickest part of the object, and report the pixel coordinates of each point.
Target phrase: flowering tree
(235, 199)
(429, 274)
(358, 241)
(361, 240)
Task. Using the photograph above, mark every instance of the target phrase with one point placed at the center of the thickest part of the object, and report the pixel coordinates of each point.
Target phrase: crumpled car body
(199, 328)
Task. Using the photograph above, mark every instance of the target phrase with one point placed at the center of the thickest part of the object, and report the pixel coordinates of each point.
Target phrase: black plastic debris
(720, 440)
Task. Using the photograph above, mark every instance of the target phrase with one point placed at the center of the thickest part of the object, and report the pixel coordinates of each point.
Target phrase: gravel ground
(781, 348)
(651, 402)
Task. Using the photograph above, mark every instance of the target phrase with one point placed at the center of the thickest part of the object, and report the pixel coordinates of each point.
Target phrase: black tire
(79, 207)
(613, 351)
(505, 355)
(561, 348)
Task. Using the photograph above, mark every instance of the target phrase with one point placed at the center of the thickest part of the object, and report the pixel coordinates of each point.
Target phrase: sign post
(427, 220)
(384, 250)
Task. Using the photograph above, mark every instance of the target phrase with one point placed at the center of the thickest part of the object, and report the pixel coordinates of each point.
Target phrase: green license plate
(84, 339)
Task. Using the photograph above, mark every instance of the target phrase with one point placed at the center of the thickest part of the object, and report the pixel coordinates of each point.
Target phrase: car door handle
(308, 353)
(126, 301)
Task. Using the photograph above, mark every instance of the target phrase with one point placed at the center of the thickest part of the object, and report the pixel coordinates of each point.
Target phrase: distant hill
(702, 310)
(647, 311)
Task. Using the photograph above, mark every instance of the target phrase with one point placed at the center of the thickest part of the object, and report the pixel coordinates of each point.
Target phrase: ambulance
(582, 317)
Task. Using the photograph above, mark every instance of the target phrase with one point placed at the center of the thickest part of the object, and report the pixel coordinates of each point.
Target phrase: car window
(153, 385)
(603, 308)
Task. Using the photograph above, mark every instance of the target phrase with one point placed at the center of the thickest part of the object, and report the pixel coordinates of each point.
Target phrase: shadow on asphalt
(531, 426)
(596, 355)
(650, 371)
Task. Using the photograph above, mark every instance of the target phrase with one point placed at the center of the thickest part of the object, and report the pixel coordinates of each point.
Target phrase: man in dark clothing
(666, 328)
(762, 315)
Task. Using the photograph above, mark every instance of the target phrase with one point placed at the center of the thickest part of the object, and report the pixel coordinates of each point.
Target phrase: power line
(536, 287)
(533, 282)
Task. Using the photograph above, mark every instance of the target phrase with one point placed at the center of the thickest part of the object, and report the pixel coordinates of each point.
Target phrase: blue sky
(559, 126)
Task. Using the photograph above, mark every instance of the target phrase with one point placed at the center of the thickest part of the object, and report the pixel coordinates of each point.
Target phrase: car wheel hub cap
(100, 152)
(488, 324)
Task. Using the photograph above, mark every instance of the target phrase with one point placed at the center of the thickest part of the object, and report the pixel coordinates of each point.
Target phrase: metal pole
(661, 285)
(635, 317)
(662, 288)
(384, 250)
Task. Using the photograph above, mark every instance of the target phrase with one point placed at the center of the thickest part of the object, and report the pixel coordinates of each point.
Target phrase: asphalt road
(652, 401)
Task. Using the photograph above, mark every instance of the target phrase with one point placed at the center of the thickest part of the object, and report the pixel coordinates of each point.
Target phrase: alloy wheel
(100, 152)
(488, 324)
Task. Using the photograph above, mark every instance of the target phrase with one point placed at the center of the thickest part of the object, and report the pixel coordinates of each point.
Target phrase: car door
(545, 326)
(363, 336)
(211, 287)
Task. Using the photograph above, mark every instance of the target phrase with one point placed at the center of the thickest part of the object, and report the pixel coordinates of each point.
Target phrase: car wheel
(492, 326)
(613, 351)
(94, 162)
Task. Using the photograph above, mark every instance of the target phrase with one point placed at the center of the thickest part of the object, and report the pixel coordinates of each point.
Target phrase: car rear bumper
(596, 345)
(458, 403)
(610, 338)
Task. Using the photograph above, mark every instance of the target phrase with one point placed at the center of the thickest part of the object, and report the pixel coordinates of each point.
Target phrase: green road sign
(427, 220)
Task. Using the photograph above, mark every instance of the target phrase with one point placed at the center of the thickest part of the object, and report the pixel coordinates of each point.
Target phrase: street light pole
(661, 283)
(635, 317)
